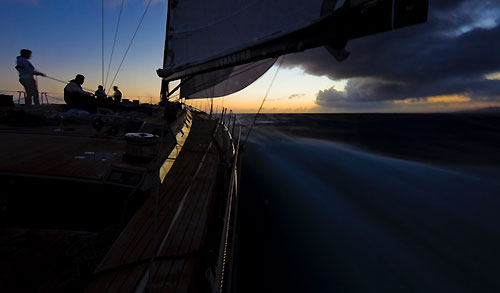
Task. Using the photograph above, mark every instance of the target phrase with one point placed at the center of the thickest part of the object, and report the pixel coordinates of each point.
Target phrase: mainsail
(206, 36)
(225, 81)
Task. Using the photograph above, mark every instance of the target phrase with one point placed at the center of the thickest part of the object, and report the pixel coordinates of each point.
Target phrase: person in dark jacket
(75, 96)
(100, 93)
(117, 96)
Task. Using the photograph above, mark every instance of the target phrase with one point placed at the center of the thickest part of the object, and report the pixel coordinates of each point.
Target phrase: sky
(450, 63)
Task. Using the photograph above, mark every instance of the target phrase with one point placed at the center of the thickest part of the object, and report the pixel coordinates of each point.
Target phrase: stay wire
(114, 43)
(102, 40)
(131, 41)
(264, 100)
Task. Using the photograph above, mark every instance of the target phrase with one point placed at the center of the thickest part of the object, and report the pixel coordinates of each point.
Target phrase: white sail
(225, 81)
(200, 30)
(208, 35)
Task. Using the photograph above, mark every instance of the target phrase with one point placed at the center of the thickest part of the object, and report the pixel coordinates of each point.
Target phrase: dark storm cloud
(450, 54)
(373, 94)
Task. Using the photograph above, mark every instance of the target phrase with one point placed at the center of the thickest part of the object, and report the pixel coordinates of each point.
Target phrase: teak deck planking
(127, 262)
(79, 153)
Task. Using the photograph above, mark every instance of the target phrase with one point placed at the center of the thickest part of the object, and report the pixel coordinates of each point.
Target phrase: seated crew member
(117, 96)
(75, 96)
(100, 93)
(102, 100)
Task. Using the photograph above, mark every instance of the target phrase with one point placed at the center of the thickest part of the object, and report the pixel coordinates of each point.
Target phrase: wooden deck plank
(118, 280)
(171, 283)
(194, 227)
(53, 155)
(140, 243)
(172, 190)
(199, 231)
(183, 234)
(161, 273)
(182, 283)
(194, 214)
(132, 279)
(202, 227)
(138, 228)
(186, 216)
(185, 283)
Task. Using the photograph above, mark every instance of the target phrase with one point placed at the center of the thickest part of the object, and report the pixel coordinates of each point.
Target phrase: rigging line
(131, 41)
(114, 43)
(65, 82)
(183, 81)
(102, 40)
(265, 97)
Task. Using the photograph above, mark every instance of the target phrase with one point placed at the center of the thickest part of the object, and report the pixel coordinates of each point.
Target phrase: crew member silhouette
(100, 93)
(26, 77)
(75, 96)
(117, 96)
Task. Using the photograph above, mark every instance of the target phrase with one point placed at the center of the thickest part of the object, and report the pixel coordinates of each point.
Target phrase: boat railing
(44, 95)
(21, 95)
(233, 128)
(58, 98)
(225, 262)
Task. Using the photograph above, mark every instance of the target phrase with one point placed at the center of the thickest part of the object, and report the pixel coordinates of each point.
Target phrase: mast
(164, 83)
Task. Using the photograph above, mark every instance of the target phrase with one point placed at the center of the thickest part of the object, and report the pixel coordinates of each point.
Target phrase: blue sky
(65, 37)
(450, 63)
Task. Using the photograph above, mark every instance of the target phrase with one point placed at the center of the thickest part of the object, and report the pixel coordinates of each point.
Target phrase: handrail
(230, 214)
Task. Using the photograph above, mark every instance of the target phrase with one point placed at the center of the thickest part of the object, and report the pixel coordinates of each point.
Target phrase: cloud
(296, 96)
(378, 94)
(493, 76)
(452, 54)
(436, 99)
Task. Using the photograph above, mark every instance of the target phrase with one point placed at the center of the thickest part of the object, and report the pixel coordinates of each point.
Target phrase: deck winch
(142, 145)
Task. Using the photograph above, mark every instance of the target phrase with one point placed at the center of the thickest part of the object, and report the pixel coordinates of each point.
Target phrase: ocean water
(323, 210)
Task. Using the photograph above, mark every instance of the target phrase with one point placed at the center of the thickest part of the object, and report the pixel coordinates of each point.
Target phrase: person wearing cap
(26, 77)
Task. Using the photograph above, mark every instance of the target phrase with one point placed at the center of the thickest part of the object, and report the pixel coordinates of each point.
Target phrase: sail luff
(164, 83)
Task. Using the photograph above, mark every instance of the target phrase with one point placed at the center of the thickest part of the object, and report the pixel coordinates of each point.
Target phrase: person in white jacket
(26, 77)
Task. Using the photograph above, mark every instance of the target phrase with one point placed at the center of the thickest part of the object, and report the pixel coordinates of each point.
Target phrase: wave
(339, 218)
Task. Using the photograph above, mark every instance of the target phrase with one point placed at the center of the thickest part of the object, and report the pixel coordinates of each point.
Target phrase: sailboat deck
(185, 204)
(57, 155)
(71, 150)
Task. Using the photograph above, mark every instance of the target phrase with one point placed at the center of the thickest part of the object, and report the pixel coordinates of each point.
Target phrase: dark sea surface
(370, 203)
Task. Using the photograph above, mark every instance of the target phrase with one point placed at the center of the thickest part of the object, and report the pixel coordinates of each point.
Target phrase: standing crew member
(26, 73)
